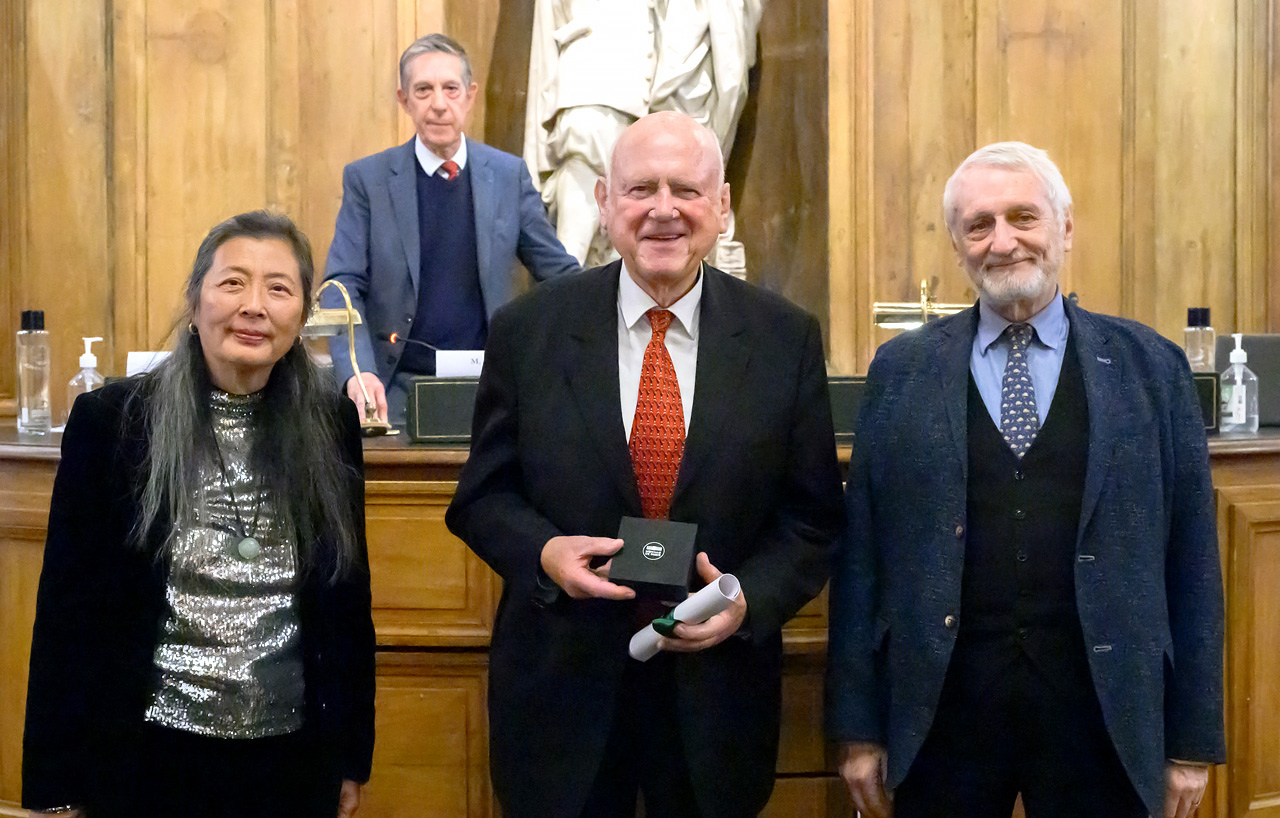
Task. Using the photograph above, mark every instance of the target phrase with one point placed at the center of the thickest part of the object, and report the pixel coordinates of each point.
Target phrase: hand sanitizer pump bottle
(1239, 393)
(87, 379)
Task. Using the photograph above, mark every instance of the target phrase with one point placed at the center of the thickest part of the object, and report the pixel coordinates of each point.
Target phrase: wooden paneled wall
(1158, 112)
(129, 127)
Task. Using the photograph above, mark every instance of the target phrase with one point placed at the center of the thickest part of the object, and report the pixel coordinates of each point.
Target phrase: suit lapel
(1100, 369)
(483, 207)
(722, 366)
(591, 369)
(403, 187)
(955, 345)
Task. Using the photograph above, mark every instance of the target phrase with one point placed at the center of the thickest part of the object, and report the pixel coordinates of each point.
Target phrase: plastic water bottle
(34, 414)
(1198, 340)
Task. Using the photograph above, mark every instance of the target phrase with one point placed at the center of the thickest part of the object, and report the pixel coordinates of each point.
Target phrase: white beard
(1001, 290)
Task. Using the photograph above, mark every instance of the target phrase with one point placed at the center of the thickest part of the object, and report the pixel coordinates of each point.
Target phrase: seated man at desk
(429, 233)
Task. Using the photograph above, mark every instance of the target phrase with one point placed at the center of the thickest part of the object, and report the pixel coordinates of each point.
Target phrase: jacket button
(1018, 475)
(1022, 556)
(959, 530)
(950, 621)
(1019, 514)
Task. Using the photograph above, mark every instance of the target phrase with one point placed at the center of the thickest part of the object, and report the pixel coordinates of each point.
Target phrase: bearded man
(1028, 597)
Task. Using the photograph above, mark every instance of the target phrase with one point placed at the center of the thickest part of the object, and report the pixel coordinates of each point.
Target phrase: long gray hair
(296, 443)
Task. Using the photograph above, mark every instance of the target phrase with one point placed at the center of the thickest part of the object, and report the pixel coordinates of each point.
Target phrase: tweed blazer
(1148, 583)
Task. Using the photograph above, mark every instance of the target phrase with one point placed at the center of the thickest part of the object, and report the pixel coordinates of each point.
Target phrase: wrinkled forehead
(664, 156)
(993, 190)
(434, 67)
(268, 257)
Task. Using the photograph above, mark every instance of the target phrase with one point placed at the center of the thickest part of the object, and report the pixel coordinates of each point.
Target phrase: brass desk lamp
(325, 321)
(912, 314)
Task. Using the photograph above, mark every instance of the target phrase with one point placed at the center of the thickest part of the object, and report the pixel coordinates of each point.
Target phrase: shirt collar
(635, 302)
(1050, 324)
(431, 163)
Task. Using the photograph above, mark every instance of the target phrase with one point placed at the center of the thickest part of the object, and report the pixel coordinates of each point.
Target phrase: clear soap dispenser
(87, 379)
(1239, 393)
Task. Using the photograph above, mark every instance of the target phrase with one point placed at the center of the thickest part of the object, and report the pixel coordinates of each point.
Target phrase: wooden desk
(433, 610)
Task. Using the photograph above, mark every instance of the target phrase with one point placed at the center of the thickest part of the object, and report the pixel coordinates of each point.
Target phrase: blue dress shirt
(1044, 355)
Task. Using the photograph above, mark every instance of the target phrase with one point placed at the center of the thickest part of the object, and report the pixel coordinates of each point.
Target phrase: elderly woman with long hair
(203, 642)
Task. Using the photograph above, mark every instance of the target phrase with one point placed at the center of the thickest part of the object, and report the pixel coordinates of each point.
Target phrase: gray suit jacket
(1148, 583)
(376, 250)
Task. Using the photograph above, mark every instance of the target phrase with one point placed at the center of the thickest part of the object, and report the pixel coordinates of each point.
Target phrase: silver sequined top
(230, 654)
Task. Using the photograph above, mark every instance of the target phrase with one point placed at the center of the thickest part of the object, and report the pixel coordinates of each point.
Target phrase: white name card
(459, 363)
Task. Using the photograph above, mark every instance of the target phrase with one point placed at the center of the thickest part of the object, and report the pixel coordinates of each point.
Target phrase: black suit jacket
(549, 457)
(101, 606)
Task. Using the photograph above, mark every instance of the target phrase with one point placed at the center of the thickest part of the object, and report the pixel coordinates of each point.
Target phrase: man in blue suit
(429, 233)
(1028, 598)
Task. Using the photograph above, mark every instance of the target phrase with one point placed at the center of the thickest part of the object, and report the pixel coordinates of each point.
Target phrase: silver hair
(297, 443)
(434, 44)
(1014, 156)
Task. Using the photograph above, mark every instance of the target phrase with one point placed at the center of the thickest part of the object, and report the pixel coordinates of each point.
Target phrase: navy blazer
(1148, 583)
(549, 457)
(101, 606)
(376, 251)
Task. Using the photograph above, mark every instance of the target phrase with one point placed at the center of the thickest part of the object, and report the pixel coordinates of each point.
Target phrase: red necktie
(451, 168)
(657, 433)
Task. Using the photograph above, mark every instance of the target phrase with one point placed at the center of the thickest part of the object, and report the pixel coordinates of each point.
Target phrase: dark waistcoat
(1018, 587)
(450, 312)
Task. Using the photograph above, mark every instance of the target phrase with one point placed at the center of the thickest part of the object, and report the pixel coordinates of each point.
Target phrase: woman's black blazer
(101, 605)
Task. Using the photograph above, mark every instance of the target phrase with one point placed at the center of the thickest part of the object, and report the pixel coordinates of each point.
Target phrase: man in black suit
(588, 386)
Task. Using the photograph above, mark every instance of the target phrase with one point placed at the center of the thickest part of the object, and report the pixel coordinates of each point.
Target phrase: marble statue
(598, 65)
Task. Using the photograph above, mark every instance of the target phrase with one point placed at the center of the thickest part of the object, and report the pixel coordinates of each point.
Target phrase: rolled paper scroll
(695, 610)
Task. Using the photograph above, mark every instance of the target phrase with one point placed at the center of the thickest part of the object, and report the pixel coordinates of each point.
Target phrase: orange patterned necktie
(450, 167)
(657, 433)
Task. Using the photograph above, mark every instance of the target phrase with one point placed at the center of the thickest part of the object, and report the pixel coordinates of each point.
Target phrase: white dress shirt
(634, 333)
(431, 163)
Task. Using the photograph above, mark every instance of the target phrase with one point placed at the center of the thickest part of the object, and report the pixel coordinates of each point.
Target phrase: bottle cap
(1238, 355)
(32, 320)
(1197, 316)
(88, 360)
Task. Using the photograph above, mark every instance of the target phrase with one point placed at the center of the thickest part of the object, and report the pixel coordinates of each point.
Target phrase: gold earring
(191, 328)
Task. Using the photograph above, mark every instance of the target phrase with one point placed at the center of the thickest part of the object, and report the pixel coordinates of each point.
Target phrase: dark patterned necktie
(1019, 419)
(450, 167)
(657, 432)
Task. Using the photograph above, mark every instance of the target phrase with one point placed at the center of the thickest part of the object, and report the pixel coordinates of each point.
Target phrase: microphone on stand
(454, 362)
(397, 338)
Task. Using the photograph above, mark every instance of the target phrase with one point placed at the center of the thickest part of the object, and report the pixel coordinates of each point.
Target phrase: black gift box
(656, 558)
